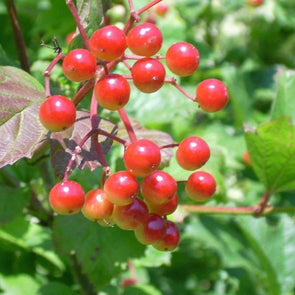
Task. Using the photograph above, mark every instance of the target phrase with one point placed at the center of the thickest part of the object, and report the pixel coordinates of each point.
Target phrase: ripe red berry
(182, 58)
(112, 92)
(108, 43)
(159, 187)
(212, 95)
(255, 2)
(70, 37)
(161, 8)
(129, 217)
(148, 75)
(79, 65)
(97, 206)
(121, 188)
(246, 158)
(200, 186)
(164, 209)
(142, 157)
(57, 113)
(192, 153)
(170, 240)
(145, 39)
(67, 197)
(152, 229)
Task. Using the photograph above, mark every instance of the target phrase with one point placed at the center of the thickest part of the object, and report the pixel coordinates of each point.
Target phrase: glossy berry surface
(112, 92)
(212, 95)
(182, 58)
(159, 187)
(142, 157)
(170, 240)
(79, 65)
(145, 39)
(108, 43)
(96, 205)
(164, 209)
(148, 75)
(121, 188)
(66, 197)
(192, 153)
(129, 217)
(200, 186)
(152, 229)
(57, 113)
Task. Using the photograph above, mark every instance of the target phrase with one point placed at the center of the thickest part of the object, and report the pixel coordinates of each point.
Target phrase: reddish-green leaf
(64, 143)
(21, 132)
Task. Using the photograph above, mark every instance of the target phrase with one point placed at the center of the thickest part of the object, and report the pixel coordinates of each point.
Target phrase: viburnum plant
(142, 196)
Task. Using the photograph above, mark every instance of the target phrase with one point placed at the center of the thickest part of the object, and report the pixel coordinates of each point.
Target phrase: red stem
(127, 125)
(148, 6)
(47, 72)
(172, 81)
(172, 145)
(77, 19)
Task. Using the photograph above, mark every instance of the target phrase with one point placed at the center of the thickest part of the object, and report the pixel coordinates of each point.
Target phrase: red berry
(96, 205)
(170, 239)
(159, 187)
(145, 39)
(108, 43)
(152, 229)
(161, 9)
(112, 92)
(200, 186)
(182, 58)
(164, 209)
(246, 158)
(66, 197)
(129, 217)
(148, 75)
(142, 157)
(79, 65)
(70, 37)
(57, 113)
(255, 2)
(212, 95)
(192, 153)
(121, 188)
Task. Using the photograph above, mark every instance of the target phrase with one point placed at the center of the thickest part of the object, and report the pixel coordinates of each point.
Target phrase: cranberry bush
(122, 147)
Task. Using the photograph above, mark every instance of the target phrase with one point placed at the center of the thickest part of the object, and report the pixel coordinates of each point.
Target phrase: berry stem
(83, 91)
(18, 35)
(77, 19)
(127, 124)
(261, 206)
(172, 145)
(148, 6)
(133, 13)
(201, 209)
(172, 81)
(47, 72)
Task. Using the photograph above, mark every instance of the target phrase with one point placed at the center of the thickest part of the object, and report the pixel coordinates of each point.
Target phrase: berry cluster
(140, 197)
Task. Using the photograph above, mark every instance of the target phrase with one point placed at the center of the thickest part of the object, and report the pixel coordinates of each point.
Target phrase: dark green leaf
(56, 289)
(101, 251)
(13, 200)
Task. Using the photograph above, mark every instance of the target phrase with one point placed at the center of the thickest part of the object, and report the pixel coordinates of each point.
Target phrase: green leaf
(13, 200)
(32, 238)
(101, 251)
(142, 289)
(56, 288)
(18, 284)
(271, 148)
(274, 246)
(21, 132)
(284, 102)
